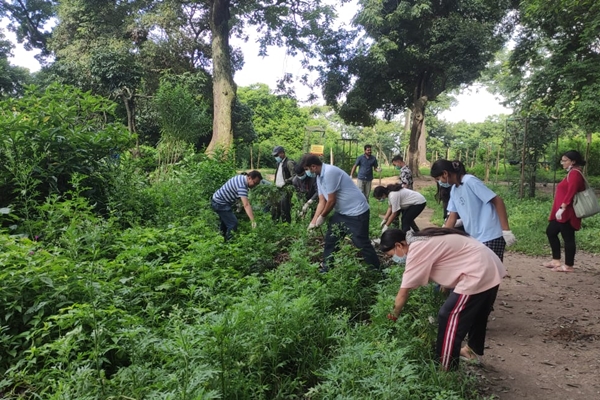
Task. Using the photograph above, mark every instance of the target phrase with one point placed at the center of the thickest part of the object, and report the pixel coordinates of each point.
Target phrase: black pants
(460, 315)
(409, 215)
(358, 227)
(498, 246)
(568, 234)
(283, 210)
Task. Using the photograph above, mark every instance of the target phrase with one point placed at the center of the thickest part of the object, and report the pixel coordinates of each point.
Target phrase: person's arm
(352, 170)
(331, 200)
(451, 220)
(247, 208)
(319, 209)
(575, 181)
(501, 210)
(387, 213)
(291, 165)
(400, 302)
(391, 217)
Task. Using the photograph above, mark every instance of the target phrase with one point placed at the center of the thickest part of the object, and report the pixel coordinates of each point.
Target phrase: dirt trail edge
(543, 338)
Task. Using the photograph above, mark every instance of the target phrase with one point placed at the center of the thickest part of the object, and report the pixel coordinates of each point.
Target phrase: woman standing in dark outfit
(562, 216)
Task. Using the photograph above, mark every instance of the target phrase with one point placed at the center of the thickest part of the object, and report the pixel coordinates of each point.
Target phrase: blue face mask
(310, 174)
(303, 177)
(399, 260)
(278, 159)
(444, 184)
(397, 167)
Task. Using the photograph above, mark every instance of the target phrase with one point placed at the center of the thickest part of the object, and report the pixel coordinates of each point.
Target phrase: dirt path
(543, 338)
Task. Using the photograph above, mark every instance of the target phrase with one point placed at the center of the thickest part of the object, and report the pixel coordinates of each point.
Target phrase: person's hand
(382, 223)
(320, 221)
(509, 238)
(253, 223)
(378, 169)
(306, 205)
(559, 213)
(392, 317)
(311, 226)
(385, 228)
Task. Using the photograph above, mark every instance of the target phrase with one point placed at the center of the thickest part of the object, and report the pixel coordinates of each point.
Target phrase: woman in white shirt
(408, 201)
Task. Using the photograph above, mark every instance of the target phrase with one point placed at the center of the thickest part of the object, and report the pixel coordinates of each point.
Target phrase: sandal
(551, 264)
(563, 268)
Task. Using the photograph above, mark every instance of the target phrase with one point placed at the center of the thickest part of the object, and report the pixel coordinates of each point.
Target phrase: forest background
(114, 282)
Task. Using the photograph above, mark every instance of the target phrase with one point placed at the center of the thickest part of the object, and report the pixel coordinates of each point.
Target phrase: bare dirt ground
(543, 337)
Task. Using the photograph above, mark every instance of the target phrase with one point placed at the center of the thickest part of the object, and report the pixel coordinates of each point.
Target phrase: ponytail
(452, 167)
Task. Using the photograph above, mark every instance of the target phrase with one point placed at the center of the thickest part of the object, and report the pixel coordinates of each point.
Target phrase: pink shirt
(453, 261)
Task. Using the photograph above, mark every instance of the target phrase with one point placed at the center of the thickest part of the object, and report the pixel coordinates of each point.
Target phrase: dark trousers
(358, 227)
(409, 215)
(568, 234)
(283, 210)
(460, 315)
(228, 219)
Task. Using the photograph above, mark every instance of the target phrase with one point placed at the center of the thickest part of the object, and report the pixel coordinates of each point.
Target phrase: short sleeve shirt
(349, 199)
(453, 261)
(406, 177)
(471, 200)
(232, 190)
(404, 198)
(365, 167)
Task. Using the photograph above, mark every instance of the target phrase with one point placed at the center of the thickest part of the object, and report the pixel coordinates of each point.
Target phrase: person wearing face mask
(284, 175)
(482, 211)
(454, 260)
(406, 178)
(562, 216)
(351, 213)
(306, 188)
(407, 201)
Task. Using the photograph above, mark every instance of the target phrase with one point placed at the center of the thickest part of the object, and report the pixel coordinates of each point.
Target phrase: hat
(277, 150)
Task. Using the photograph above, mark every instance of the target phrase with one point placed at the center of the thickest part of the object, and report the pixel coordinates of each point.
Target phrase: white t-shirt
(405, 198)
(454, 261)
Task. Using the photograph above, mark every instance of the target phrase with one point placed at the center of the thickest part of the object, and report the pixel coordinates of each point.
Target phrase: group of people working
(467, 262)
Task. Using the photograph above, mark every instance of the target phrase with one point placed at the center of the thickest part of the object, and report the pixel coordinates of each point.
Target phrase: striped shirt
(232, 190)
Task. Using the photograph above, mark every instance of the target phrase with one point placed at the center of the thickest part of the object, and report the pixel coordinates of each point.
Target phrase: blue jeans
(358, 228)
(228, 219)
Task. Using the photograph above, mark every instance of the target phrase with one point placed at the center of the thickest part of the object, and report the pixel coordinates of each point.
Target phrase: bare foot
(563, 268)
(552, 264)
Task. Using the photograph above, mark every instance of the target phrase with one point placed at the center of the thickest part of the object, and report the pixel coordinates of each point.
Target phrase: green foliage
(49, 136)
(184, 113)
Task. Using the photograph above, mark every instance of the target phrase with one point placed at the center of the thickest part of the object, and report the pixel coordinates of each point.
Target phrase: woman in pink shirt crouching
(455, 261)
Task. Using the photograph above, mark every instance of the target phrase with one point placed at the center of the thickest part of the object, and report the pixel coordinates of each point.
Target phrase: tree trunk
(423, 146)
(418, 118)
(128, 98)
(224, 90)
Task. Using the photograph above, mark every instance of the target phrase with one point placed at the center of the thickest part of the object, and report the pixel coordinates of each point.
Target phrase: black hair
(310, 159)
(452, 167)
(299, 170)
(367, 146)
(255, 174)
(381, 191)
(576, 156)
(398, 158)
(389, 239)
(436, 231)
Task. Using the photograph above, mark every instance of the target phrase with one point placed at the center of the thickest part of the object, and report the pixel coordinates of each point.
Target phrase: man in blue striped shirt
(224, 199)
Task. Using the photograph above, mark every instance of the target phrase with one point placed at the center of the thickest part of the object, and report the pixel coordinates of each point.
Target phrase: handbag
(585, 203)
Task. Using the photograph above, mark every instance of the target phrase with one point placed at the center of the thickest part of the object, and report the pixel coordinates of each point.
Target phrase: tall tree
(413, 51)
(29, 20)
(296, 24)
(556, 62)
(12, 78)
